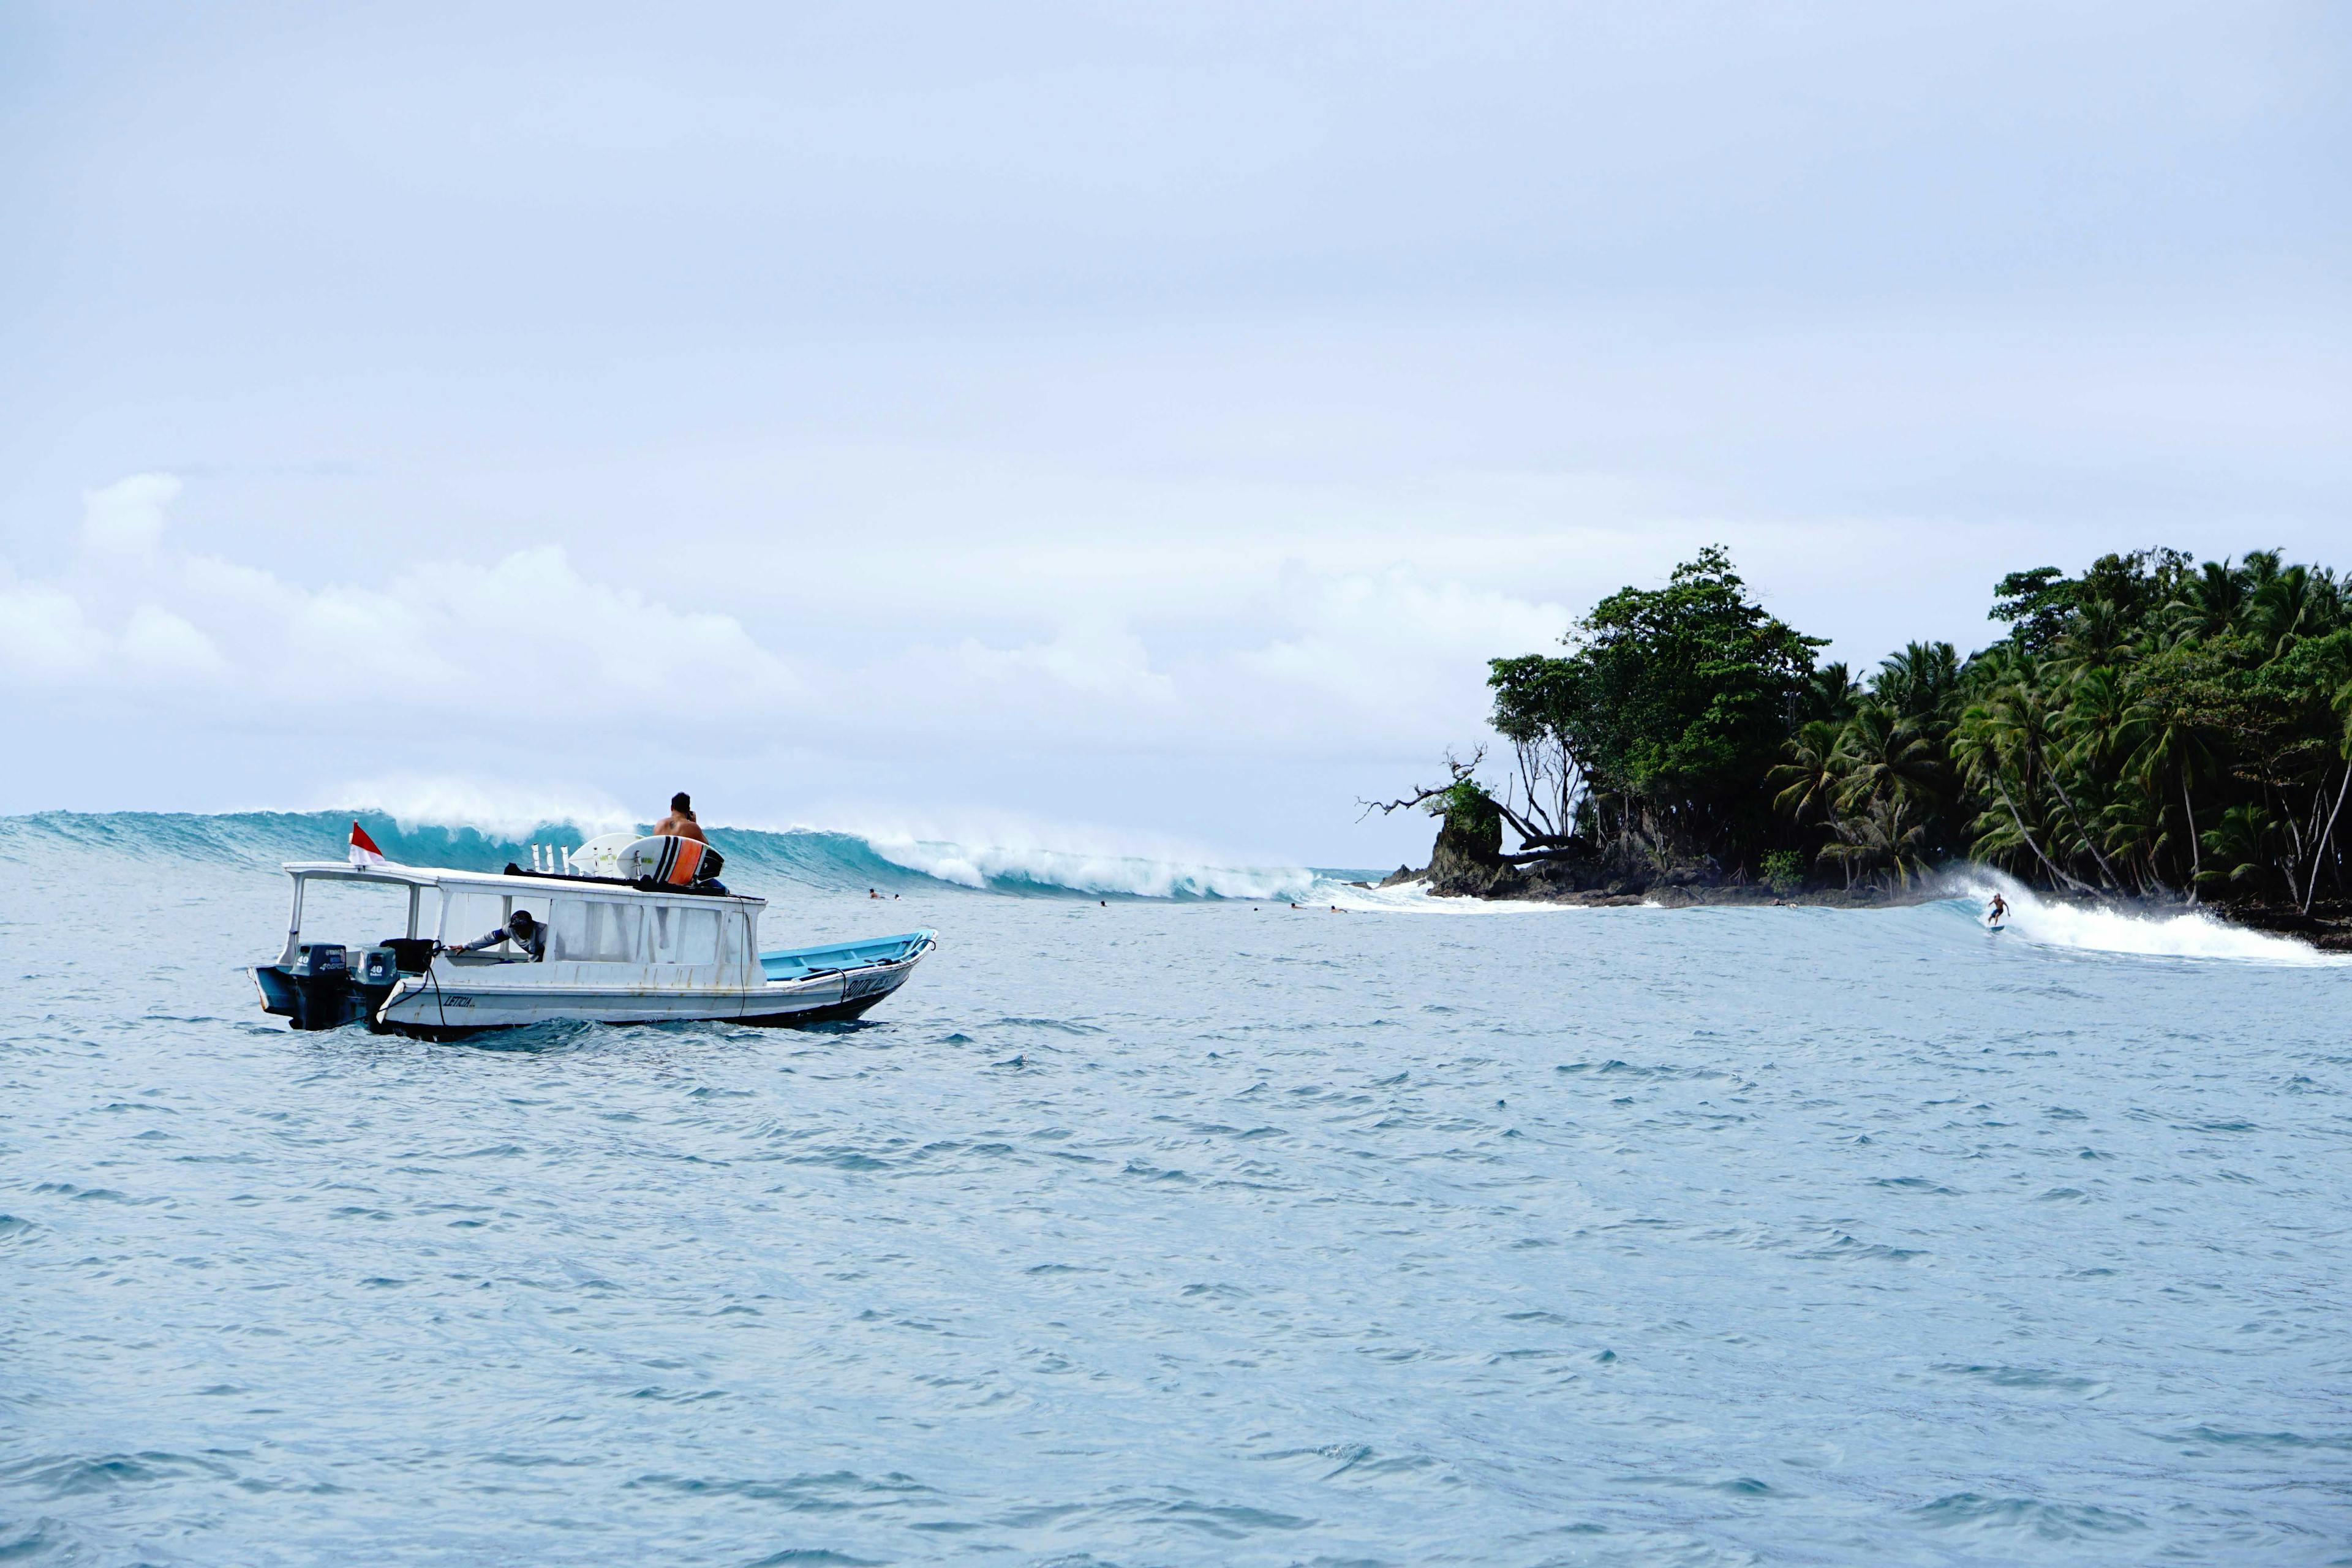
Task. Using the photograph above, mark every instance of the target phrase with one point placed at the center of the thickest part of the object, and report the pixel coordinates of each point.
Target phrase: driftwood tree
(1473, 813)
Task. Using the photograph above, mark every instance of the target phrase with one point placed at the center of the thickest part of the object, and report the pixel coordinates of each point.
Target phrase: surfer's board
(600, 856)
(632, 857)
(678, 862)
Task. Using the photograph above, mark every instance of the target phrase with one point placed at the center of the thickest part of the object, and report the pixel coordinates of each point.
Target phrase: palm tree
(1807, 781)
(2094, 725)
(2342, 705)
(2241, 846)
(2171, 748)
(1885, 755)
(1889, 834)
(2134, 817)
(2208, 604)
(2099, 634)
(1997, 744)
(2279, 607)
(1833, 692)
(1922, 683)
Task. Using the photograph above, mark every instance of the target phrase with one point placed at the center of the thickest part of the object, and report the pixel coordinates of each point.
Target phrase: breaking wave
(2146, 933)
(1031, 866)
(1026, 862)
(2053, 924)
(812, 857)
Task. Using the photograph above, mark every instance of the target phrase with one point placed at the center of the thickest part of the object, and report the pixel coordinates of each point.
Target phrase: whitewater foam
(1006, 850)
(2046, 922)
(1415, 899)
(494, 811)
(2094, 928)
(1090, 871)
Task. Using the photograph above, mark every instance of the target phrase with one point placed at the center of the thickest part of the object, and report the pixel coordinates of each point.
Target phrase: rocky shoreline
(1689, 889)
(1468, 870)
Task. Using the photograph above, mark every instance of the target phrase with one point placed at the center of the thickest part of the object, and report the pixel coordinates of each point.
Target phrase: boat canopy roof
(493, 881)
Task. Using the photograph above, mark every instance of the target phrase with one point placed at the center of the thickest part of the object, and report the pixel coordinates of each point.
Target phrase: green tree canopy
(2154, 725)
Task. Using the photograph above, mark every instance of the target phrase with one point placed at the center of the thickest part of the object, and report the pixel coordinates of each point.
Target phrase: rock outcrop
(1465, 866)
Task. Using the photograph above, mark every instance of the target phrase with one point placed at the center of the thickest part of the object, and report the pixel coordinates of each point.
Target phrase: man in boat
(528, 934)
(680, 823)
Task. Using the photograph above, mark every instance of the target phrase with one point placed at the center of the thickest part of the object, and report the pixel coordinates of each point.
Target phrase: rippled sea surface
(1203, 1233)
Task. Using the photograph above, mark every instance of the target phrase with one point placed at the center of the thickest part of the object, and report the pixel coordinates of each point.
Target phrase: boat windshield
(356, 914)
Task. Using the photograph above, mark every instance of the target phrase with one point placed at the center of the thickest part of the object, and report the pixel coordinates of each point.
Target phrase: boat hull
(445, 1003)
(443, 1011)
(566, 949)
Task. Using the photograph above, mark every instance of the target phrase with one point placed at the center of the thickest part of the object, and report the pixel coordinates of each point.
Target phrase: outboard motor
(324, 997)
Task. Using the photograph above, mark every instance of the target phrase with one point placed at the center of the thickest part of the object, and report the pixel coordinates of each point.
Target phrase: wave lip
(511, 815)
(998, 867)
(2142, 934)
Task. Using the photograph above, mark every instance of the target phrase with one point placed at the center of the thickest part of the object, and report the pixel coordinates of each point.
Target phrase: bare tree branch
(1422, 796)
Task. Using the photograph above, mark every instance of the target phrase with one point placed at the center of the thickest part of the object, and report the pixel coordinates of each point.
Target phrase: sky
(1109, 423)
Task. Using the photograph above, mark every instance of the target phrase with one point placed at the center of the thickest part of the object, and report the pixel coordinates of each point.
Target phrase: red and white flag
(363, 850)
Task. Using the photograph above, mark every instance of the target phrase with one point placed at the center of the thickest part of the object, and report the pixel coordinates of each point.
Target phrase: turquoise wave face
(829, 859)
(755, 857)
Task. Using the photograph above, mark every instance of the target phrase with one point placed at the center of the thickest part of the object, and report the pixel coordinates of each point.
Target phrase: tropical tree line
(2154, 727)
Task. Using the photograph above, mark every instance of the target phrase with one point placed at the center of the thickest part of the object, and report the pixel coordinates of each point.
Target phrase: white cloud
(127, 516)
(530, 649)
(161, 645)
(1095, 660)
(526, 638)
(1394, 650)
(43, 633)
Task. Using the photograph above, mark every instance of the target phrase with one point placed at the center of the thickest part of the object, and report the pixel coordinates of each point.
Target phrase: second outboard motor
(324, 997)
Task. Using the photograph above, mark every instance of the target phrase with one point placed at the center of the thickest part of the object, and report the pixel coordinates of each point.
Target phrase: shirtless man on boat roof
(680, 823)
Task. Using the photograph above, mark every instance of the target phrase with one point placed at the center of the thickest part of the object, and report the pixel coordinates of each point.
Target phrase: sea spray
(2107, 928)
(1006, 866)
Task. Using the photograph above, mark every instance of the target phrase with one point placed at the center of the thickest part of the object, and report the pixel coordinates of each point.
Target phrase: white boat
(616, 950)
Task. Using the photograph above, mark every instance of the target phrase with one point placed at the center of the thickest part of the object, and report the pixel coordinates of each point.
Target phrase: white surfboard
(667, 859)
(600, 856)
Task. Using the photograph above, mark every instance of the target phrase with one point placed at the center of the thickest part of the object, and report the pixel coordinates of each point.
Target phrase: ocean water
(1178, 1230)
